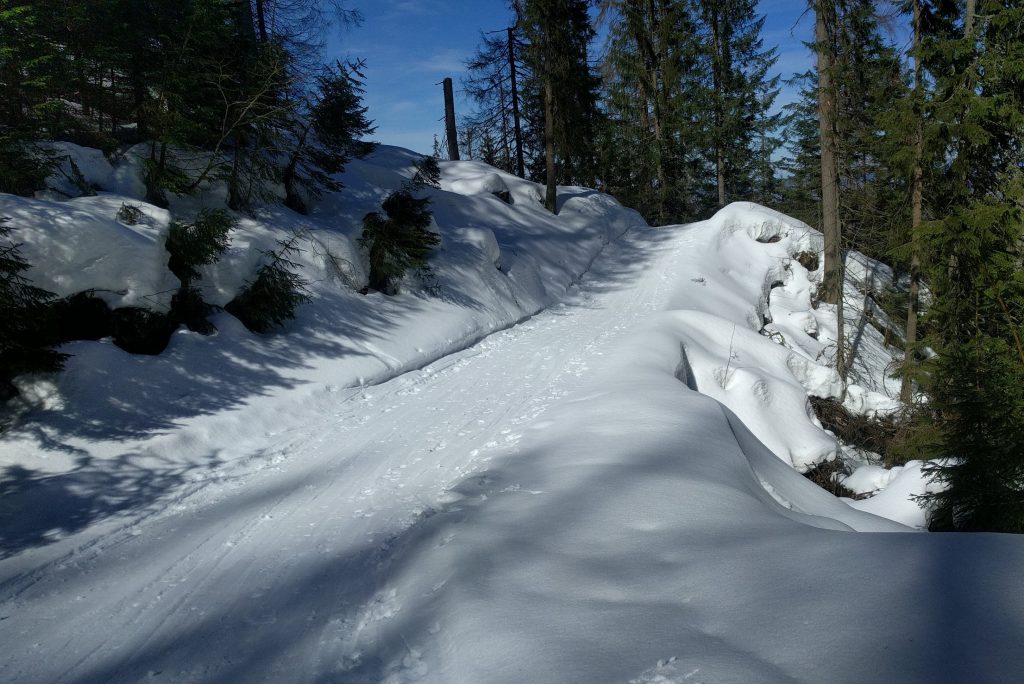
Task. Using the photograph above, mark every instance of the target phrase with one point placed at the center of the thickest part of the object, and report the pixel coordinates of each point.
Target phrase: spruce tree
(326, 131)
(23, 340)
(495, 81)
(558, 34)
(651, 82)
(737, 100)
(271, 298)
(973, 262)
(398, 240)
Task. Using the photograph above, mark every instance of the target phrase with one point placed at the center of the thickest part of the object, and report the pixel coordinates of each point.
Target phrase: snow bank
(80, 245)
(632, 537)
(389, 491)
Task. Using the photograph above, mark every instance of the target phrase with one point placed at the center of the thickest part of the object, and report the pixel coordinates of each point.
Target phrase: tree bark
(261, 20)
(550, 200)
(832, 286)
(520, 166)
(449, 121)
(717, 82)
(916, 214)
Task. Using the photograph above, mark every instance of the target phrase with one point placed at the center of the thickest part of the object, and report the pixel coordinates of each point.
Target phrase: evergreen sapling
(398, 239)
(23, 308)
(271, 298)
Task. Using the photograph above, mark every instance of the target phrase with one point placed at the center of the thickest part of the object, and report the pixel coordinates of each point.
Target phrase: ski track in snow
(549, 504)
(244, 560)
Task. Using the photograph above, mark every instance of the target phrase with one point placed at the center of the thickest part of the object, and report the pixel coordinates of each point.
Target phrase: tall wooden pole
(449, 120)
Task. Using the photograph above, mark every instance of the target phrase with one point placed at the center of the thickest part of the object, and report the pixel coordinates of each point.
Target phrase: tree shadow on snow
(38, 508)
(114, 395)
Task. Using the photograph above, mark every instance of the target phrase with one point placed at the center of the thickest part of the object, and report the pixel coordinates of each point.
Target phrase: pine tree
(398, 240)
(271, 298)
(326, 131)
(26, 103)
(190, 246)
(651, 77)
(737, 100)
(832, 283)
(494, 81)
(973, 261)
(558, 34)
(23, 343)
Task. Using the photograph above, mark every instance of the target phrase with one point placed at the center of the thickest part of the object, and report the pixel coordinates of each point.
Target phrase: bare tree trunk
(520, 167)
(550, 200)
(832, 286)
(449, 121)
(969, 13)
(916, 202)
(717, 80)
(261, 20)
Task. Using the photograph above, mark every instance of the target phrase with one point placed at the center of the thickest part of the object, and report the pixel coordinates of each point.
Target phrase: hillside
(572, 453)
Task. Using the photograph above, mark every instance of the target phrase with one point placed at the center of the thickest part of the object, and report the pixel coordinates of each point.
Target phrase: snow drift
(576, 460)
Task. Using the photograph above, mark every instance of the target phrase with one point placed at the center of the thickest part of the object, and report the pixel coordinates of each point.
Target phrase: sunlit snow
(572, 454)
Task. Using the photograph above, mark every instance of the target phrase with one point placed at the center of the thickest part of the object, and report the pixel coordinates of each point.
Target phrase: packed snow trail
(228, 571)
(564, 501)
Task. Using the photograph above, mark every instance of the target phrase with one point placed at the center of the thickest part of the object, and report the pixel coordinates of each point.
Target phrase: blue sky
(410, 45)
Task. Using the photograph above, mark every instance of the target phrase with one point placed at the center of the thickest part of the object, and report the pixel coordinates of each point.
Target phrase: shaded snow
(575, 461)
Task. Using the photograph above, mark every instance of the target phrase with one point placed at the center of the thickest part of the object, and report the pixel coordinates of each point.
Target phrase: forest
(909, 150)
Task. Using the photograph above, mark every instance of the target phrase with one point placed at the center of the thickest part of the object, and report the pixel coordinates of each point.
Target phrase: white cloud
(447, 61)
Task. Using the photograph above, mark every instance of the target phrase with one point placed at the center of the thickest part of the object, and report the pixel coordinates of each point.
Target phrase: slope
(604, 492)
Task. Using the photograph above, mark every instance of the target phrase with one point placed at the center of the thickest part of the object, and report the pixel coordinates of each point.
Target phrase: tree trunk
(261, 20)
(449, 122)
(520, 166)
(550, 200)
(716, 72)
(832, 286)
(916, 202)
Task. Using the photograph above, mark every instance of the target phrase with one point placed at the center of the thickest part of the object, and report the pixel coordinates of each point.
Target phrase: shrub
(24, 347)
(23, 166)
(129, 214)
(272, 297)
(192, 245)
(398, 239)
(871, 434)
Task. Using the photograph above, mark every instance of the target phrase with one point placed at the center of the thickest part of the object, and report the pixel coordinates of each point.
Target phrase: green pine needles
(272, 297)
(398, 239)
(23, 310)
(192, 245)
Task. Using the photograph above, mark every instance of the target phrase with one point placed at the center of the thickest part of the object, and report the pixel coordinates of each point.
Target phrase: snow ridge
(390, 491)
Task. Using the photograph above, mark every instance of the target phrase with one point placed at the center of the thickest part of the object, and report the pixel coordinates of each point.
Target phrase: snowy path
(552, 504)
(260, 572)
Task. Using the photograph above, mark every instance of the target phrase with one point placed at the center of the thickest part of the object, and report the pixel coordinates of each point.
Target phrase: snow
(893, 491)
(574, 457)
(80, 245)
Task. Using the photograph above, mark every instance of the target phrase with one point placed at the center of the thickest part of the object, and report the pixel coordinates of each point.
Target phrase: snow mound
(80, 245)
(569, 454)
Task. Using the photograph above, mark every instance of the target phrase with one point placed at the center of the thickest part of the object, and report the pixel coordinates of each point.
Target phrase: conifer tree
(974, 256)
(23, 343)
(271, 298)
(495, 79)
(651, 71)
(737, 100)
(398, 240)
(326, 132)
(558, 34)
(27, 104)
